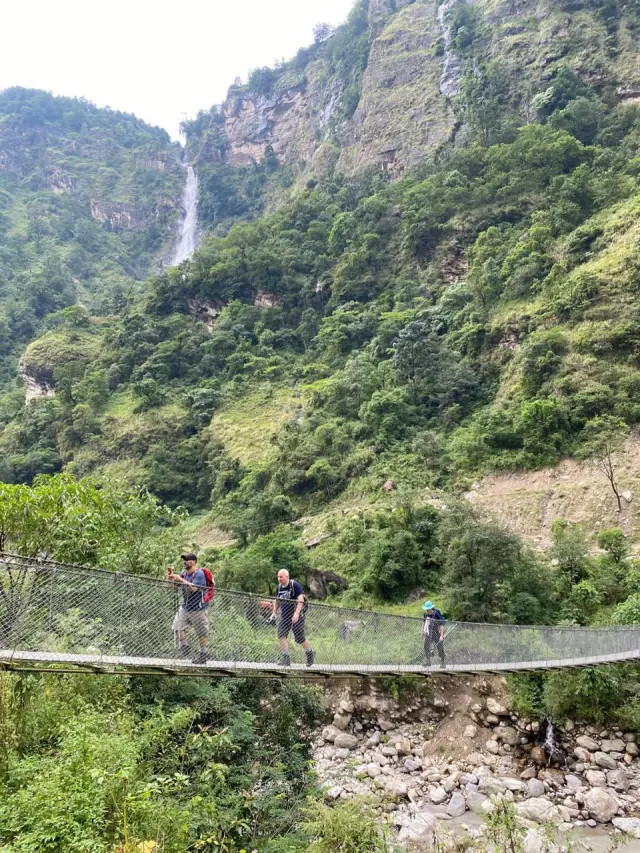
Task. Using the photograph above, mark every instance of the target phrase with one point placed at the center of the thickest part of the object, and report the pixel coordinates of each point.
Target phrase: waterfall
(450, 78)
(552, 750)
(189, 231)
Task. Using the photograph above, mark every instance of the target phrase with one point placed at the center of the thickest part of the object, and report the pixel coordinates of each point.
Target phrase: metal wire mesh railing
(54, 613)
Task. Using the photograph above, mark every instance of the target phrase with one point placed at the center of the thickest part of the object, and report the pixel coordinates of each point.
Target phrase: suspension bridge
(65, 618)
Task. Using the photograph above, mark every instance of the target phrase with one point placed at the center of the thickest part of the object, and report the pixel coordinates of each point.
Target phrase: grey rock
(457, 805)
(374, 740)
(438, 795)
(334, 792)
(470, 731)
(494, 707)
(389, 751)
(330, 733)
(615, 745)
(373, 770)
(539, 810)
(508, 735)
(529, 773)
(492, 746)
(468, 779)
(596, 778)
(535, 788)
(618, 779)
(600, 805)
(632, 749)
(341, 754)
(582, 754)
(478, 803)
(588, 743)
(341, 721)
(386, 725)
(572, 782)
(345, 741)
(630, 825)
(604, 760)
(420, 829)
(630, 737)
(411, 764)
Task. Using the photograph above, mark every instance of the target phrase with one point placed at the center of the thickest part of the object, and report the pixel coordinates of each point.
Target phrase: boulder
(618, 780)
(605, 761)
(494, 707)
(600, 805)
(478, 803)
(330, 733)
(535, 789)
(596, 778)
(538, 757)
(419, 829)
(457, 805)
(632, 749)
(630, 825)
(615, 745)
(507, 734)
(341, 721)
(374, 740)
(588, 743)
(470, 731)
(538, 809)
(572, 782)
(582, 754)
(438, 795)
(389, 751)
(386, 725)
(492, 746)
(345, 741)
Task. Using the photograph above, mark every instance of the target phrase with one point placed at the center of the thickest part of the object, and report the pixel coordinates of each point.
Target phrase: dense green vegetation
(88, 202)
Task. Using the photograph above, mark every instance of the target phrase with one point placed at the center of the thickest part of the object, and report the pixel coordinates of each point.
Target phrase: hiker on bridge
(433, 632)
(193, 610)
(292, 605)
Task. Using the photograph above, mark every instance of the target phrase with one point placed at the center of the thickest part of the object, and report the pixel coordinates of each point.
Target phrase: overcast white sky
(161, 61)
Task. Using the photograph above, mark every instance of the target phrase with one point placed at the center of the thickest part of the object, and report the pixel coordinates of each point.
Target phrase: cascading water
(189, 233)
(450, 77)
(552, 750)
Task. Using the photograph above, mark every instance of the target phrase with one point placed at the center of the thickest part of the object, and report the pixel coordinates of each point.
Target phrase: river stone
(572, 782)
(478, 803)
(507, 734)
(345, 741)
(582, 754)
(630, 825)
(492, 746)
(600, 805)
(341, 721)
(420, 829)
(538, 809)
(604, 760)
(615, 745)
(457, 805)
(618, 779)
(494, 707)
(596, 778)
(535, 788)
(438, 795)
(389, 751)
(330, 733)
(588, 743)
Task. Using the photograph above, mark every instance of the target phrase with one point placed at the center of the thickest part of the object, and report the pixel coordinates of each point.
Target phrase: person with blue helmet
(433, 632)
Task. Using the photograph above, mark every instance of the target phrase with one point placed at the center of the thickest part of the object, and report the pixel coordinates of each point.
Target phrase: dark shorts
(285, 626)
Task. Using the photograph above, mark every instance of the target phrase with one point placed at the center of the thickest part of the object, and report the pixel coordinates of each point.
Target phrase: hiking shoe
(182, 652)
(285, 660)
(311, 657)
(200, 658)
(443, 665)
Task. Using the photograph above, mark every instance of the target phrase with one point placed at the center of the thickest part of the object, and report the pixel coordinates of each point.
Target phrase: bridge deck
(59, 617)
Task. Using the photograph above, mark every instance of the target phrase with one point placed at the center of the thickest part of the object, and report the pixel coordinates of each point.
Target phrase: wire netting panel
(61, 611)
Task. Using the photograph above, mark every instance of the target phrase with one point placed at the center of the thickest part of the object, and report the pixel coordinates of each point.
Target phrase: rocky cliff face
(409, 96)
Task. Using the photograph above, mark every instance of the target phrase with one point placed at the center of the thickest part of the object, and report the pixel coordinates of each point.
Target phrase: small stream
(450, 77)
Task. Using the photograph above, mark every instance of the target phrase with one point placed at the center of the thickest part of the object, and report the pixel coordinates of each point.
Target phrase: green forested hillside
(89, 201)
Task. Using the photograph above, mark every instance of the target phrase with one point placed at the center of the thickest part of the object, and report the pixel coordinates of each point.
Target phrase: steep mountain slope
(401, 78)
(89, 201)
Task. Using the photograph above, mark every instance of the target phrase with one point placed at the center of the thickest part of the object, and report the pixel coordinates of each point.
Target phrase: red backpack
(209, 595)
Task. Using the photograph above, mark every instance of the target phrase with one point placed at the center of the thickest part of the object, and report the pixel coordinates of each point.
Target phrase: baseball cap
(188, 556)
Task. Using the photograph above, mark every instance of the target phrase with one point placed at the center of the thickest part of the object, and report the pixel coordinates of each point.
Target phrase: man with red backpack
(197, 593)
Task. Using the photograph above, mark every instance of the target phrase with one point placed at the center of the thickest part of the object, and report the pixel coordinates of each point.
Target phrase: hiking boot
(200, 658)
(443, 665)
(182, 652)
(311, 657)
(285, 659)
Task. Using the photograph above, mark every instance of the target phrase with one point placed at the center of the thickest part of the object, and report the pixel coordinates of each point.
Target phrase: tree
(604, 438)
(321, 32)
(569, 551)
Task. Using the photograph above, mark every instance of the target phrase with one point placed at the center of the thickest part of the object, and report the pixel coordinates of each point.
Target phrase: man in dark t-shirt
(433, 632)
(290, 603)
